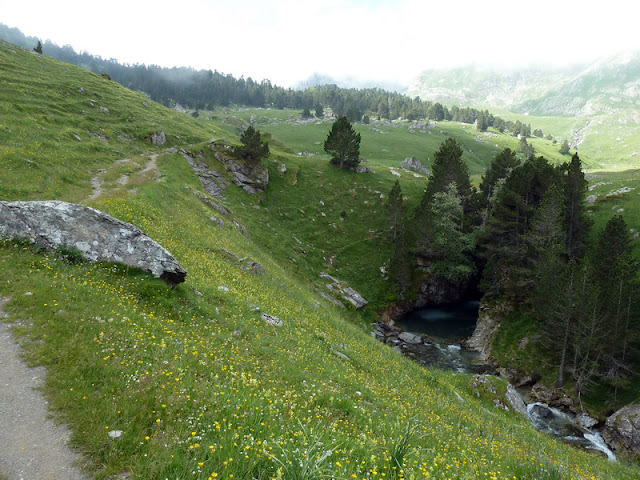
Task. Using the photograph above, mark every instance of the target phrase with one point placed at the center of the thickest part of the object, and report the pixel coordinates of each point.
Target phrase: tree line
(207, 89)
(526, 234)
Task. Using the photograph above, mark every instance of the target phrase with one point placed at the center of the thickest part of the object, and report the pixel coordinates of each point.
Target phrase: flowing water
(448, 326)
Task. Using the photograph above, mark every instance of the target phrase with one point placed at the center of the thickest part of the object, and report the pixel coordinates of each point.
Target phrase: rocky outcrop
(98, 236)
(414, 165)
(158, 138)
(622, 431)
(340, 292)
(488, 322)
(253, 178)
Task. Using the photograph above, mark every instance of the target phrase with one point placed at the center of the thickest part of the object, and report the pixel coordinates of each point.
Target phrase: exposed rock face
(515, 400)
(97, 235)
(487, 324)
(252, 178)
(339, 292)
(622, 431)
(158, 138)
(413, 164)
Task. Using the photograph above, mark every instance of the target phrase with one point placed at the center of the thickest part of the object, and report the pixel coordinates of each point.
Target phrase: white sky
(288, 40)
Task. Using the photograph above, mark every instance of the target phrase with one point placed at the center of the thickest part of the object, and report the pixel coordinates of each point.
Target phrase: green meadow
(199, 384)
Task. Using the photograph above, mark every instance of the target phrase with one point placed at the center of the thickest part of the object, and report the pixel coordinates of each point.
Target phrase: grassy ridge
(199, 384)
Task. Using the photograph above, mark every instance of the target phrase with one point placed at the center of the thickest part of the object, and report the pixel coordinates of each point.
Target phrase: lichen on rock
(98, 236)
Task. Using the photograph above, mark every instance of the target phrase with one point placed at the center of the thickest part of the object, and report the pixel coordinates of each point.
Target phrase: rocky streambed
(453, 347)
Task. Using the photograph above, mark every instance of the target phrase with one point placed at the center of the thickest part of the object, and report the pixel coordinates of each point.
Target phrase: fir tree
(343, 144)
(253, 148)
(575, 215)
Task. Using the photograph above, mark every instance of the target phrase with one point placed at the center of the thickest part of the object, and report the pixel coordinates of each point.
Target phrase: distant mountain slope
(608, 85)
(600, 100)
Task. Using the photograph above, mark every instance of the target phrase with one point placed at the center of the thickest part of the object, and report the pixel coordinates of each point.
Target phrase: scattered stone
(81, 90)
(620, 191)
(254, 268)
(271, 320)
(158, 138)
(96, 235)
(213, 204)
(413, 164)
(361, 169)
(283, 168)
(409, 337)
(591, 199)
(340, 354)
(585, 421)
(326, 276)
(104, 110)
(328, 297)
(222, 288)
(77, 137)
(115, 434)
(241, 228)
(217, 221)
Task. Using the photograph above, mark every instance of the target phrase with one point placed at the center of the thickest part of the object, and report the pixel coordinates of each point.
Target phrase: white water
(563, 426)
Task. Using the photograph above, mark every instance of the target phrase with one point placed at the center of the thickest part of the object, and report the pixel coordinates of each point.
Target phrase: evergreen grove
(525, 236)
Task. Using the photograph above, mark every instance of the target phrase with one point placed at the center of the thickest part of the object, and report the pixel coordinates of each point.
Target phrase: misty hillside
(609, 85)
(594, 106)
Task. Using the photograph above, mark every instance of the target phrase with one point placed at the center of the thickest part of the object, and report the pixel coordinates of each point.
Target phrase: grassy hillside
(199, 384)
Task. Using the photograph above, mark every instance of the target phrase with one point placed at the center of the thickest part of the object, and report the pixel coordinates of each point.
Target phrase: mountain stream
(448, 326)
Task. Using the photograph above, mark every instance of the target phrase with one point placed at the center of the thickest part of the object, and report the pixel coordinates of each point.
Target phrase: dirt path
(32, 446)
(97, 182)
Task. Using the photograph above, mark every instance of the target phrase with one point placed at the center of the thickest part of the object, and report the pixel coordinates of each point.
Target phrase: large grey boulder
(413, 164)
(622, 431)
(99, 236)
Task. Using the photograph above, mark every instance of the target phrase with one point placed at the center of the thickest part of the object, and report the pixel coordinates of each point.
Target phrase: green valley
(198, 382)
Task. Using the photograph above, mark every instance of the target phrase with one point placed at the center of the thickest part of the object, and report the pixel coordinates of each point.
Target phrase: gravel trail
(32, 446)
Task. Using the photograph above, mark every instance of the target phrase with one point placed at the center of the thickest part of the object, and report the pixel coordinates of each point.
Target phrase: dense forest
(525, 234)
(206, 89)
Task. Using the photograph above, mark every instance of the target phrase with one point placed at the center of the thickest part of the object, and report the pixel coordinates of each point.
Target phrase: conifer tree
(500, 167)
(575, 215)
(343, 144)
(448, 167)
(446, 246)
(253, 148)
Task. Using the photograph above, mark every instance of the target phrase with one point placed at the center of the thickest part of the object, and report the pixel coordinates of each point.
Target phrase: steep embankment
(200, 379)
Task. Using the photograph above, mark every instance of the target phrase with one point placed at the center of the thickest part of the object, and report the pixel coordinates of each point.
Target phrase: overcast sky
(288, 40)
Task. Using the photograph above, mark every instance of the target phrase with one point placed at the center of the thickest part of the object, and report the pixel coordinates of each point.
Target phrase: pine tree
(343, 144)
(253, 148)
(446, 246)
(564, 148)
(500, 167)
(38, 47)
(448, 167)
(575, 215)
(503, 243)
